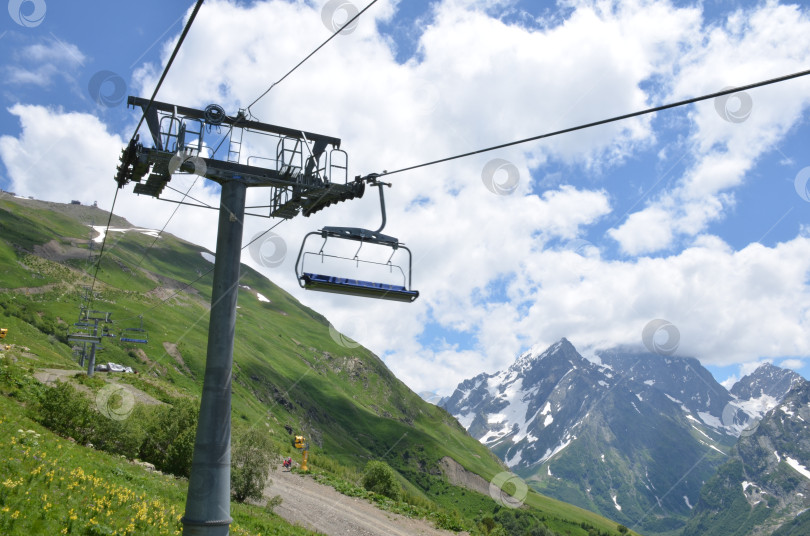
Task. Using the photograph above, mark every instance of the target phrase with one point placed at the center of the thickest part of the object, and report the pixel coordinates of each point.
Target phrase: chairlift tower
(87, 332)
(304, 173)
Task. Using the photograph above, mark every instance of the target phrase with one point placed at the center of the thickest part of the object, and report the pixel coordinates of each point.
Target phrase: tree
(380, 478)
(251, 456)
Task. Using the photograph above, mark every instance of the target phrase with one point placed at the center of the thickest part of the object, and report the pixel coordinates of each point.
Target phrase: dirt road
(322, 509)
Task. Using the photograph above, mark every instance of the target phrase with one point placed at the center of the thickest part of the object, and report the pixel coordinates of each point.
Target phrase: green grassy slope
(289, 373)
(53, 486)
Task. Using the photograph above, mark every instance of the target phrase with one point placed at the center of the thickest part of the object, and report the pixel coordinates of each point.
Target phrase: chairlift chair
(137, 335)
(105, 332)
(312, 280)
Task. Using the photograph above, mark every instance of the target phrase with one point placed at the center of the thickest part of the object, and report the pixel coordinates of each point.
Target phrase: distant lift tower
(304, 173)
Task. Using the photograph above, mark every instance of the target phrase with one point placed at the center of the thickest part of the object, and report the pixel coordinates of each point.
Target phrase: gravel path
(322, 509)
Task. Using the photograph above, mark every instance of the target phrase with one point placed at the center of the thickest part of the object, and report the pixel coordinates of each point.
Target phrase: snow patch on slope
(801, 469)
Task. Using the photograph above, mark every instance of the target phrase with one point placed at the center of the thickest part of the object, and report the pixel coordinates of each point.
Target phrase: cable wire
(157, 237)
(300, 63)
(134, 134)
(162, 302)
(168, 65)
(101, 251)
(605, 121)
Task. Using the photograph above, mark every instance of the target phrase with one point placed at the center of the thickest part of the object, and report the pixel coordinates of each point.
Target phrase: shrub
(70, 413)
(169, 439)
(380, 478)
(67, 412)
(273, 502)
(251, 456)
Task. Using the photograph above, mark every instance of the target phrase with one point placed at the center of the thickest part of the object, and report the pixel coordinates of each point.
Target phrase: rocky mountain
(630, 435)
(681, 379)
(764, 388)
(765, 484)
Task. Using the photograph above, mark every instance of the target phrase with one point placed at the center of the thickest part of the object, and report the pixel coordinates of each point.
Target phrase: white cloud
(758, 44)
(41, 63)
(59, 154)
(729, 382)
(795, 364)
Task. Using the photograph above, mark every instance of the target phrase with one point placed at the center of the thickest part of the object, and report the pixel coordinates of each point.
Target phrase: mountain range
(631, 435)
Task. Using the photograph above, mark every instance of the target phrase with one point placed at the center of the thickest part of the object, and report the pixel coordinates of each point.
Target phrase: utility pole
(208, 504)
(304, 180)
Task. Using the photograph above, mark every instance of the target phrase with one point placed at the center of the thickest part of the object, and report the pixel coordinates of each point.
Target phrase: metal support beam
(208, 503)
(91, 362)
(241, 122)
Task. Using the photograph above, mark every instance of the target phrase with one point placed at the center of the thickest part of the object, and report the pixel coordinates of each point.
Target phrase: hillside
(291, 375)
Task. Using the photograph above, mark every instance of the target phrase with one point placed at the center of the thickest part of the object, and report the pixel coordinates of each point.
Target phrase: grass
(53, 486)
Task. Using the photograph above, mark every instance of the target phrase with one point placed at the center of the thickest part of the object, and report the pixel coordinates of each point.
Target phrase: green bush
(251, 457)
(381, 479)
(67, 412)
(70, 413)
(162, 435)
(169, 438)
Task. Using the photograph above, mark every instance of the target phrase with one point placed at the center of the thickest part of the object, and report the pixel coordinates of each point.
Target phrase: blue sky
(694, 215)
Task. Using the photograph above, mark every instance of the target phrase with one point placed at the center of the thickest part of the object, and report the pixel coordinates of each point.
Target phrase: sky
(685, 231)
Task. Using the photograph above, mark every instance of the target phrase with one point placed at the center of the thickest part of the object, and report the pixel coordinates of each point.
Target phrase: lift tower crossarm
(239, 121)
(301, 176)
